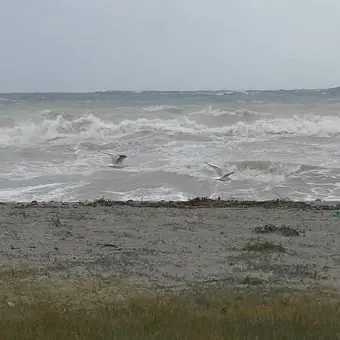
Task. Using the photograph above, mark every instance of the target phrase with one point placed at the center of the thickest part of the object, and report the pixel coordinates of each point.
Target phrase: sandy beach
(171, 244)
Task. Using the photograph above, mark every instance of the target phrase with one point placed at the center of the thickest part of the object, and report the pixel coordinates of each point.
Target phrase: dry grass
(45, 308)
(173, 317)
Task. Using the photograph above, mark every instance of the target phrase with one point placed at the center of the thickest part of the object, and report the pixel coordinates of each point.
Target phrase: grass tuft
(264, 247)
(272, 228)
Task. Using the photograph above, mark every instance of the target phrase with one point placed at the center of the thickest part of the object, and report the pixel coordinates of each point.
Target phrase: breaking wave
(65, 128)
(258, 171)
(267, 171)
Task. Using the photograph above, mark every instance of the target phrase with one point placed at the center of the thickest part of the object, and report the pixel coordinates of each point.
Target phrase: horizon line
(173, 90)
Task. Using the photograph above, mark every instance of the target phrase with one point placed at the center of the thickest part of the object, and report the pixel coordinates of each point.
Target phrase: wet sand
(175, 243)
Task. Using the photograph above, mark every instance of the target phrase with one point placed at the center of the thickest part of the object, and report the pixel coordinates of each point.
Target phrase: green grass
(169, 316)
(37, 307)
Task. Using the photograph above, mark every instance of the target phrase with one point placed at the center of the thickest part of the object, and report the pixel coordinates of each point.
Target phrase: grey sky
(86, 45)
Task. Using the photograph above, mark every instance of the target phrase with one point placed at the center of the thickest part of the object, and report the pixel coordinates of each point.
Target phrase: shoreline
(198, 202)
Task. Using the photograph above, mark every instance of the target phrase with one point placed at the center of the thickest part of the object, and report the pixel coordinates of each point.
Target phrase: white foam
(157, 108)
(237, 113)
(24, 170)
(42, 192)
(147, 194)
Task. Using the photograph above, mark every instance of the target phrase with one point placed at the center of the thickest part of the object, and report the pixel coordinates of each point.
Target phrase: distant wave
(160, 108)
(220, 92)
(229, 112)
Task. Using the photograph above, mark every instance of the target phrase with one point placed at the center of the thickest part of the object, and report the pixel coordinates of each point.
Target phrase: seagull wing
(227, 175)
(215, 167)
(119, 159)
(116, 159)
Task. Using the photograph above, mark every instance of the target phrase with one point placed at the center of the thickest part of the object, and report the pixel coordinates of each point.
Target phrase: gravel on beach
(172, 243)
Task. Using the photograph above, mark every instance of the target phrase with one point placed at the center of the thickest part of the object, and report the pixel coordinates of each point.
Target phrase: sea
(281, 144)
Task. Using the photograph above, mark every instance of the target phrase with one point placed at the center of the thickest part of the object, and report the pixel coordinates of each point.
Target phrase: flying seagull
(221, 177)
(117, 160)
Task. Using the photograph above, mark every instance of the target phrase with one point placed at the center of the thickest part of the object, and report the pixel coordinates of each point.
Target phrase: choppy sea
(281, 144)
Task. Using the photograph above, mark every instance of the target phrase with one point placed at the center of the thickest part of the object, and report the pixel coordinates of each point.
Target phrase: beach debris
(8, 302)
(111, 245)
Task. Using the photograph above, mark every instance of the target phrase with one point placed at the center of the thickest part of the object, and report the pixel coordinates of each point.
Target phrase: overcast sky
(87, 45)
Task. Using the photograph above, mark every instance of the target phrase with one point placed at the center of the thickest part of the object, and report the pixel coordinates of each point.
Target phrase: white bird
(222, 177)
(117, 160)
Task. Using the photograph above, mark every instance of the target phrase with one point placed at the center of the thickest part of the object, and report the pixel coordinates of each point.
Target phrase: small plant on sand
(264, 247)
(266, 229)
(285, 230)
(252, 281)
(56, 221)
